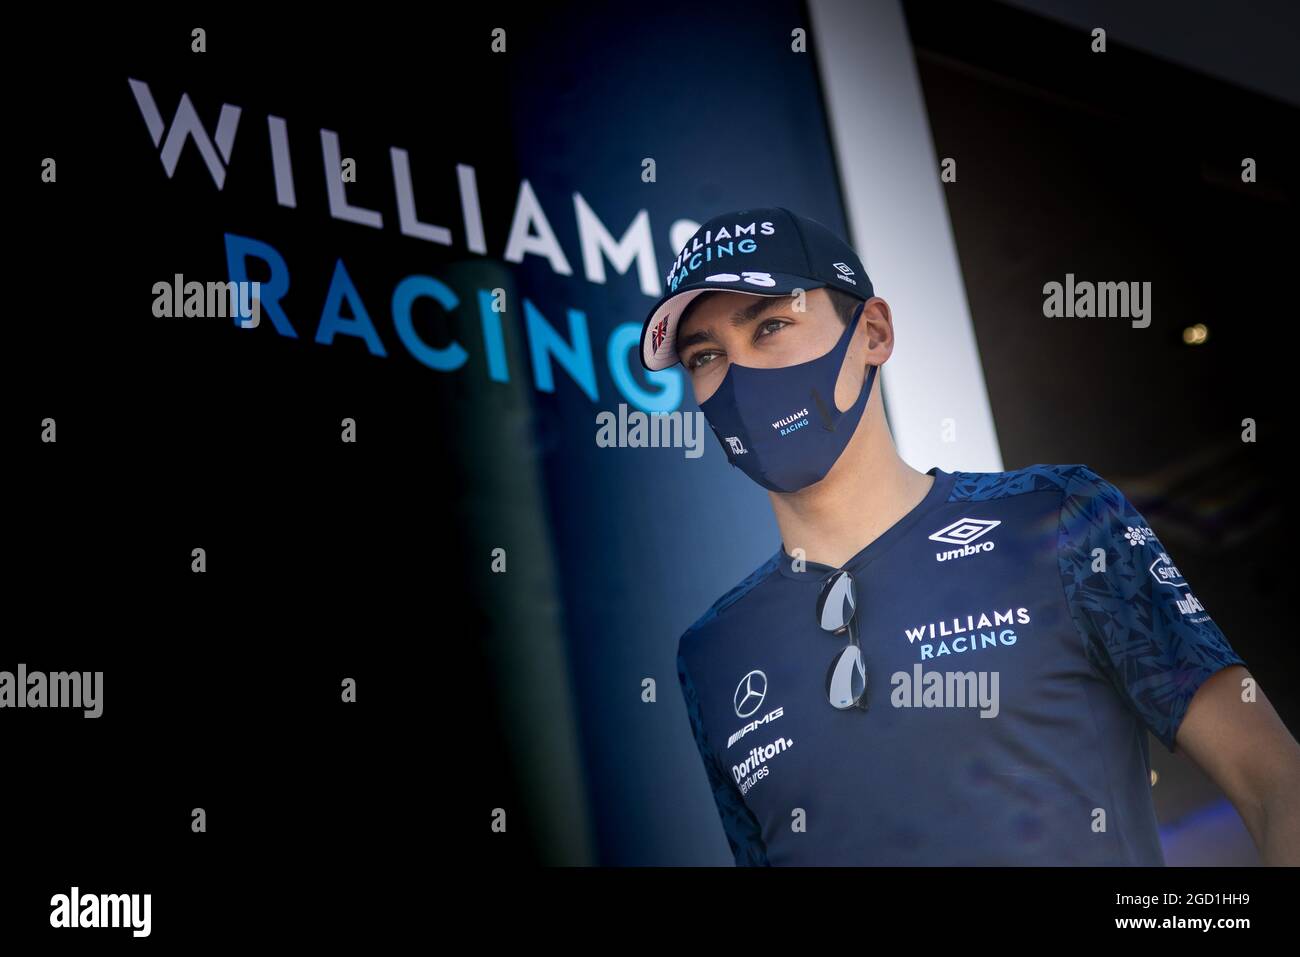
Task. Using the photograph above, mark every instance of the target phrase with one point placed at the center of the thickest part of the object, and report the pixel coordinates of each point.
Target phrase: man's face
(760, 331)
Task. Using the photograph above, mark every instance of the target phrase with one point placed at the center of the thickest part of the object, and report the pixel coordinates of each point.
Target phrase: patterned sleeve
(738, 821)
(1142, 626)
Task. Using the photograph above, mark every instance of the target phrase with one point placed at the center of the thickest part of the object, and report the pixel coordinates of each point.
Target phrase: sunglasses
(846, 679)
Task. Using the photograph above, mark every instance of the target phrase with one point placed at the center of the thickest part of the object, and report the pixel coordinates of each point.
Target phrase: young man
(933, 667)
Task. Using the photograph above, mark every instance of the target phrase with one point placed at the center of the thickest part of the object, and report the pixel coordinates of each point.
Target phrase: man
(933, 667)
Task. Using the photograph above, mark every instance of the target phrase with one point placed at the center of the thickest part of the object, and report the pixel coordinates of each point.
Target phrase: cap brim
(661, 354)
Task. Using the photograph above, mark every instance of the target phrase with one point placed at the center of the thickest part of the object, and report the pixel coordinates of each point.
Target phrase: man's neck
(860, 499)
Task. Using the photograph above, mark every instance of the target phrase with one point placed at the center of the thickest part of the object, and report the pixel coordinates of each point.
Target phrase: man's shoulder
(1085, 504)
(728, 598)
(990, 486)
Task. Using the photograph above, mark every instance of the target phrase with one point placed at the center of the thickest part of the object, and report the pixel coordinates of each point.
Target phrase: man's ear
(879, 324)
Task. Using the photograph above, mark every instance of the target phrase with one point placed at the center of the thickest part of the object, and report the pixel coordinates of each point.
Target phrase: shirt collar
(815, 571)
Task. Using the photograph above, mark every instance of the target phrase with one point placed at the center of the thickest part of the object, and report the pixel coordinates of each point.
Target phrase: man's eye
(767, 324)
(697, 360)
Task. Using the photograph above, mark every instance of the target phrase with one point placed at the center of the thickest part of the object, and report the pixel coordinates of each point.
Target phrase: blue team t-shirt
(1043, 596)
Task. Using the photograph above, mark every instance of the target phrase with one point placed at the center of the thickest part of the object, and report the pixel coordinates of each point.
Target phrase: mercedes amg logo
(750, 693)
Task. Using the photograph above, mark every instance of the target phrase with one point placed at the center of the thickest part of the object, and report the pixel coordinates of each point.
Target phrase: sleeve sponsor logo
(1166, 572)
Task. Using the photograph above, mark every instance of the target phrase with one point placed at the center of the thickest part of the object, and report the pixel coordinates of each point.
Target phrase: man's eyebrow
(740, 317)
(760, 305)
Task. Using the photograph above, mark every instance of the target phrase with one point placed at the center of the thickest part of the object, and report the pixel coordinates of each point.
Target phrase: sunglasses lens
(846, 681)
(835, 603)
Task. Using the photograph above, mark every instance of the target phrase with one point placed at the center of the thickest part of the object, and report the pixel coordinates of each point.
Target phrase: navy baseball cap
(760, 252)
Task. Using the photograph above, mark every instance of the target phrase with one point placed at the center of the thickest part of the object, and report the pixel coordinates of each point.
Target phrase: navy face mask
(780, 426)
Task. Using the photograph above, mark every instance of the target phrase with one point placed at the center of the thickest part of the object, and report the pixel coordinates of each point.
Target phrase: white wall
(899, 226)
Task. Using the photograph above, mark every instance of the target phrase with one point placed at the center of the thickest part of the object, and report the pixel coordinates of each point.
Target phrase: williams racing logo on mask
(791, 422)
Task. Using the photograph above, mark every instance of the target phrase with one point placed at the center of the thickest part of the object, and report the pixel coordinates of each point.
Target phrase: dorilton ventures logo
(754, 768)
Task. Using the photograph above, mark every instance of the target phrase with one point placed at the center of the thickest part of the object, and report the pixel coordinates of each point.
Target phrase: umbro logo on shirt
(962, 532)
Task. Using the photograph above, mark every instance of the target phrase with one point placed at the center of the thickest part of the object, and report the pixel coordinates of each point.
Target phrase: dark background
(328, 561)
(222, 690)
(1126, 166)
